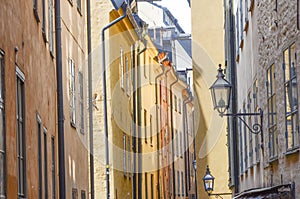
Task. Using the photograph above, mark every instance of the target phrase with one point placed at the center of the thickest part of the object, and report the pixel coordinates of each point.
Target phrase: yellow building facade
(207, 53)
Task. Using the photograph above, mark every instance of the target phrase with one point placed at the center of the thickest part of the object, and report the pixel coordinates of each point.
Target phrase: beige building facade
(266, 55)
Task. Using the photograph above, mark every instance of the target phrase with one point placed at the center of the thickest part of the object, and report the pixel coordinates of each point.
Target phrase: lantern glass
(208, 181)
(220, 92)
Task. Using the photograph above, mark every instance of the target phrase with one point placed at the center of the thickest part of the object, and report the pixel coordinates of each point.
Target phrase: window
(2, 130)
(40, 170)
(51, 39)
(127, 76)
(245, 139)
(179, 105)
(246, 11)
(272, 115)
(249, 133)
(144, 65)
(146, 185)
(124, 155)
(291, 97)
(152, 186)
(255, 108)
(181, 144)
(237, 33)
(241, 146)
(241, 20)
(45, 163)
(298, 15)
(74, 193)
(53, 167)
(21, 134)
(178, 183)
(79, 5)
(35, 10)
(44, 19)
(129, 157)
(182, 184)
(81, 105)
(83, 195)
(175, 102)
(145, 124)
(177, 143)
(121, 65)
(151, 129)
(72, 93)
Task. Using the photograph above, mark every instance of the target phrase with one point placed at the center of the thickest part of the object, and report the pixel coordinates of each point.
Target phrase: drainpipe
(139, 118)
(172, 133)
(134, 128)
(195, 157)
(60, 103)
(167, 119)
(89, 43)
(157, 127)
(185, 136)
(105, 98)
(234, 100)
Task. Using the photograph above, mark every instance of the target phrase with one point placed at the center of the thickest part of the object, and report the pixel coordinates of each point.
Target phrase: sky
(180, 10)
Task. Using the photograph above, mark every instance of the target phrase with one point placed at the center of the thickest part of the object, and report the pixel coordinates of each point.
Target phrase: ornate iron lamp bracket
(219, 195)
(256, 127)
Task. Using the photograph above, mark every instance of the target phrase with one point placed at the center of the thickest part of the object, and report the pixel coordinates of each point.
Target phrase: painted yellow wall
(207, 53)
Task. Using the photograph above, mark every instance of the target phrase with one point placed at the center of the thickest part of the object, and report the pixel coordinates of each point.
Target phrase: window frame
(44, 20)
(294, 112)
(72, 92)
(51, 27)
(53, 167)
(271, 101)
(20, 95)
(3, 133)
(40, 157)
(45, 163)
(81, 101)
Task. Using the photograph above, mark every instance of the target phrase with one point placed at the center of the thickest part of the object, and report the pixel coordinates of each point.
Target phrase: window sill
(292, 151)
(242, 43)
(44, 36)
(36, 14)
(71, 2)
(273, 159)
(73, 125)
(79, 11)
(246, 25)
(237, 59)
(52, 54)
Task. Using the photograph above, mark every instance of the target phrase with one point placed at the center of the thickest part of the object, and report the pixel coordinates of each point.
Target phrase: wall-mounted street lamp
(221, 93)
(208, 181)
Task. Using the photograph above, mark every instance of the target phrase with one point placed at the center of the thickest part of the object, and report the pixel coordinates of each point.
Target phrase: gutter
(90, 93)
(105, 128)
(172, 133)
(60, 103)
(157, 130)
(185, 136)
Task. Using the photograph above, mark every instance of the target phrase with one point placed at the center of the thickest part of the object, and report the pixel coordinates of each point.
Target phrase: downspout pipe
(90, 93)
(157, 127)
(105, 98)
(134, 128)
(60, 103)
(172, 133)
(234, 100)
(185, 136)
(167, 119)
(195, 157)
(139, 119)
